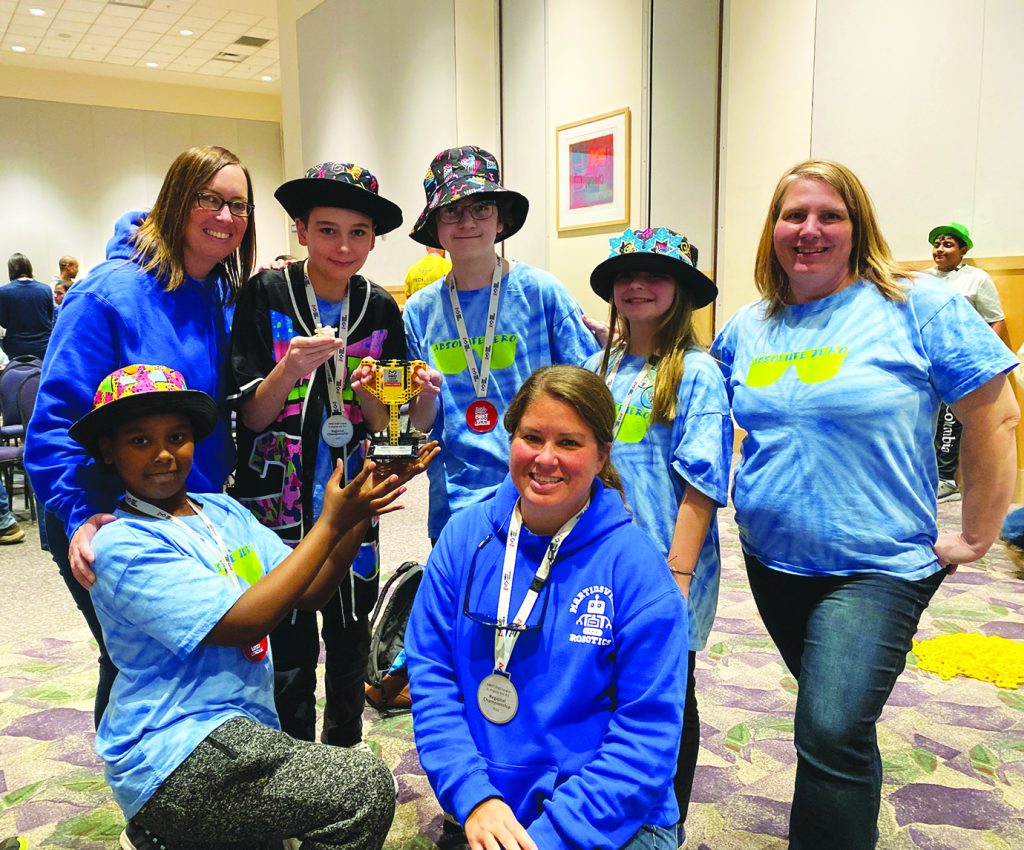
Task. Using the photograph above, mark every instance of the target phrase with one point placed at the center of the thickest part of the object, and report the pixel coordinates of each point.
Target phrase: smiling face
(338, 241)
(468, 238)
(644, 298)
(947, 253)
(554, 459)
(813, 239)
(210, 237)
(153, 456)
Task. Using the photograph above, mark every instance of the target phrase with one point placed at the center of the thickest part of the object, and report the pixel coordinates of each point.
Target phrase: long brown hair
(870, 257)
(674, 337)
(160, 240)
(585, 393)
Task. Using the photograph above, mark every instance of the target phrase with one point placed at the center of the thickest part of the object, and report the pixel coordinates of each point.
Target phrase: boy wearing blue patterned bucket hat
(298, 333)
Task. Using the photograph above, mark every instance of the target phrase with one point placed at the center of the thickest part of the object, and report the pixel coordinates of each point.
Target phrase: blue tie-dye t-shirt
(657, 463)
(538, 324)
(837, 472)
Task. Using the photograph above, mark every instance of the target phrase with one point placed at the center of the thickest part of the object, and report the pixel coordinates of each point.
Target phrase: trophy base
(386, 453)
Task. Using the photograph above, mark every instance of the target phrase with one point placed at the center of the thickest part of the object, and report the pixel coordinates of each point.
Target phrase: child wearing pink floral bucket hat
(187, 588)
(673, 434)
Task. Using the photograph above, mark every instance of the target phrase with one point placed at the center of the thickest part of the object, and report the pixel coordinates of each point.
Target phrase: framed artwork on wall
(592, 172)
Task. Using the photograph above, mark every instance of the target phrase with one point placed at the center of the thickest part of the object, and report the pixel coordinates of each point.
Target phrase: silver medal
(337, 431)
(497, 698)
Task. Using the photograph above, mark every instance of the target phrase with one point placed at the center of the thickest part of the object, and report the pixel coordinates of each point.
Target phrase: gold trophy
(393, 386)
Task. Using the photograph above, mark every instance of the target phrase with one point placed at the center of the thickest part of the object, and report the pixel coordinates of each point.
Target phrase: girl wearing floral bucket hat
(673, 431)
(485, 327)
(187, 588)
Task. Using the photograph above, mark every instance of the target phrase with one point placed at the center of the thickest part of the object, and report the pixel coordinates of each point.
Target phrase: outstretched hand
(306, 353)
(492, 825)
(406, 470)
(428, 380)
(363, 497)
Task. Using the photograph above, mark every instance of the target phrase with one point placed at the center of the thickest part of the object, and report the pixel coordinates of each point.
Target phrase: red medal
(256, 652)
(481, 416)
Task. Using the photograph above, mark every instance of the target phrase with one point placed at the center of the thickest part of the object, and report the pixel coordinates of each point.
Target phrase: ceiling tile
(61, 25)
(52, 50)
(215, 69)
(106, 29)
(243, 18)
(205, 13)
(234, 30)
(75, 15)
(120, 60)
(125, 13)
(149, 26)
(127, 52)
(177, 6)
(262, 32)
(159, 17)
(84, 5)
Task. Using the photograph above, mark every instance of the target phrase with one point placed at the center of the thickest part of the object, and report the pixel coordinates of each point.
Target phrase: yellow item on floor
(987, 657)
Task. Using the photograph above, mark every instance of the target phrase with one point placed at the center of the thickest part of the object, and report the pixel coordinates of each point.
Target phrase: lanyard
(222, 557)
(648, 369)
(505, 639)
(481, 376)
(337, 366)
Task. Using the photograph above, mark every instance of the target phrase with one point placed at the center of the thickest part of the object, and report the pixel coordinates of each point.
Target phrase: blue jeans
(652, 838)
(59, 552)
(6, 517)
(846, 640)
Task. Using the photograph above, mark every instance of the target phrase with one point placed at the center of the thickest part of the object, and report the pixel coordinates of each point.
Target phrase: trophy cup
(393, 387)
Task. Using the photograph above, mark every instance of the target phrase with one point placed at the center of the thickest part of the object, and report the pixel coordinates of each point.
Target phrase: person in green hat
(950, 242)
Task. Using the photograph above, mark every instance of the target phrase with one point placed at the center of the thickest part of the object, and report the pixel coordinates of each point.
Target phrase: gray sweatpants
(247, 785)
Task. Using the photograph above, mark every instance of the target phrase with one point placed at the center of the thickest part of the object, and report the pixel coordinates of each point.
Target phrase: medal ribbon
(505, 639)
(337, 367)
(647, 370)
(220, 552)
(481, 376)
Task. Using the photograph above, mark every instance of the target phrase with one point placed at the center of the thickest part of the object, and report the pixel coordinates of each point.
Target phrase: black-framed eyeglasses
(490, 620)
(478, 210)
(215, 203)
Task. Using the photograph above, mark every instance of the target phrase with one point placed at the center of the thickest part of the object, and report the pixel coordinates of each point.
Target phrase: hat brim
(944, 229)
(697, 286)
(197, 406)
(518, 207)
(298, 197)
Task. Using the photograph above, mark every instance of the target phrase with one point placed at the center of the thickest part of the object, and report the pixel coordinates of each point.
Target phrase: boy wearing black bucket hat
(187, 587)
(297, 334)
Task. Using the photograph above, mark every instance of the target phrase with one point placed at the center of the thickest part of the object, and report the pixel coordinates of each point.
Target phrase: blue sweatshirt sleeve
(637, 758)
(447, 751)
(82, 351)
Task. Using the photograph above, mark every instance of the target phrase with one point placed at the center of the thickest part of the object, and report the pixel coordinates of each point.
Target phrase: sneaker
(12, 534)
(361, 747)
(948, 491)
(135, 837)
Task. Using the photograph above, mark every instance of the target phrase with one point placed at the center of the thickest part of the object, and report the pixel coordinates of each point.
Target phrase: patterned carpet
(953, 751)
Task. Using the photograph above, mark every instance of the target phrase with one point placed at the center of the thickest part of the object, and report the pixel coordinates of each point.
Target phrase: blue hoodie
(117, 316)
(590, 755)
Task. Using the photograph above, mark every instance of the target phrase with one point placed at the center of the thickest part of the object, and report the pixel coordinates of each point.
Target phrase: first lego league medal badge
(498, 699)
(256, 652)
(337, 430)
(481, 416)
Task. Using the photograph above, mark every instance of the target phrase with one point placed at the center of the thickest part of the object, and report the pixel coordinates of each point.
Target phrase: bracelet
(680, 572)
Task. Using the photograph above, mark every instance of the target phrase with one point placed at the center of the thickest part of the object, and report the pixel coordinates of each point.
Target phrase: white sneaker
(948, 491)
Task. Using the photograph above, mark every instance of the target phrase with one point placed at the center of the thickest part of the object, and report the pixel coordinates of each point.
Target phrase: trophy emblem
(393, 386)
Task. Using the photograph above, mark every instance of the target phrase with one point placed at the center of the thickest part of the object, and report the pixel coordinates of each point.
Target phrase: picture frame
(592, 172)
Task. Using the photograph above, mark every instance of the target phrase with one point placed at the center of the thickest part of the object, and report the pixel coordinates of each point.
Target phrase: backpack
(389, 618)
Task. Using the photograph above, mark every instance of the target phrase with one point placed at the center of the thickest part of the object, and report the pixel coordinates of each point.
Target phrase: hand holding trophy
(393, 386)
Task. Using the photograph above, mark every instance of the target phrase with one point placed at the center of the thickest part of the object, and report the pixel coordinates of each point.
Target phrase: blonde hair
(160, 240)
(870, 256)
(674, 337)
(586, 394)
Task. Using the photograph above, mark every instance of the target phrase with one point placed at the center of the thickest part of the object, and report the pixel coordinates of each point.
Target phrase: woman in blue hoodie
(160, 297)
(561, 729)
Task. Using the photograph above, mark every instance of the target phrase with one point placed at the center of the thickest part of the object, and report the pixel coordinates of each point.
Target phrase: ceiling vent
(228, 56)
(134, 4)
(251, 41)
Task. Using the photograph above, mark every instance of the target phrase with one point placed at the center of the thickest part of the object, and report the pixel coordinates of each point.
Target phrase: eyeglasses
(489, 620)
(478, 210)
(813, 366)
(215, 203)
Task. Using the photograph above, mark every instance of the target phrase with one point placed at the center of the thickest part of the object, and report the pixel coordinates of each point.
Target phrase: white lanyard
(505, 639)
(223, 557)
(338, 364)
(480, 376)
(648, 369)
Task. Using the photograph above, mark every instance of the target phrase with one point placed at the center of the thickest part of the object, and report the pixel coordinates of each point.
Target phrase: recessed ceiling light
(185, 32)
(17, 48)
(152, 65)
(267, 79)
(37, 12)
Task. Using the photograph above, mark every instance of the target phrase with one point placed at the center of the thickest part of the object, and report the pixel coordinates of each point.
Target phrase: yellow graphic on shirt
(813, 365)
(450, 359)
(634, 424)
(247, 565)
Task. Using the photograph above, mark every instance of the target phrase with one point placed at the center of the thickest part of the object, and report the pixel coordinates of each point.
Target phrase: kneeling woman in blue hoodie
(559, 730)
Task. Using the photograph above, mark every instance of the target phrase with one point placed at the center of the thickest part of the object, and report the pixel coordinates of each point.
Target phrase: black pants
(689, 744)
(296, 649)
(947, 443)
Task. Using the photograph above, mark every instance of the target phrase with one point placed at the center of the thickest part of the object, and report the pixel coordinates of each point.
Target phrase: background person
(837, 520)
(67, 271)
(566, 736)
(26, 311)
(950, 242)
(159, 298)
(673, 435)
